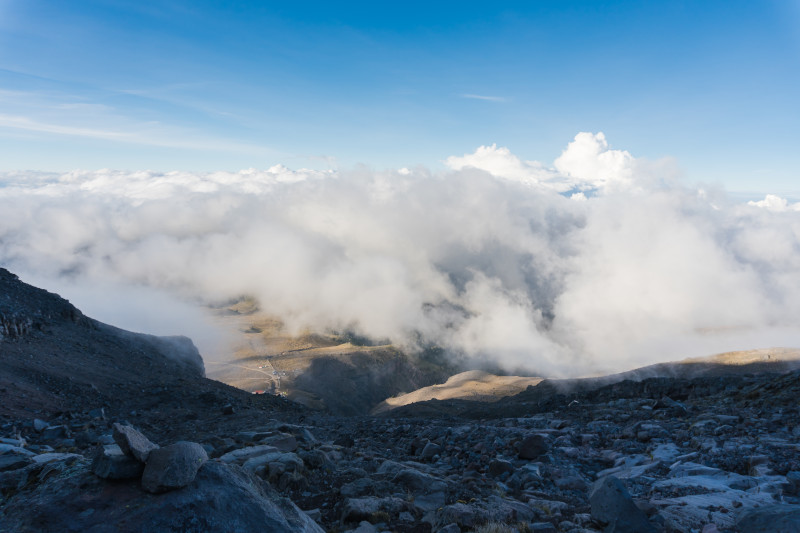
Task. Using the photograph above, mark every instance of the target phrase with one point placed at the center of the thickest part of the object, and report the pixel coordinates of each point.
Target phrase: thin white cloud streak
(70, 116)
(484, 97)
(25, 123)
(493, 260)
(28, 124)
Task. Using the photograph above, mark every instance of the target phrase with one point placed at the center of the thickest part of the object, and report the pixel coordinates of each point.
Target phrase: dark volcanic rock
(697, 453)
(533, 446)
(770, 519)
(133, 443)
(25, 309)
(111, 463)
(173, 466)
(223, 498)
(613, 506)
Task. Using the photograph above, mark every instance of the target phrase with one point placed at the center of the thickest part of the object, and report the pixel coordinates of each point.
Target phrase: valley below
(107, 430)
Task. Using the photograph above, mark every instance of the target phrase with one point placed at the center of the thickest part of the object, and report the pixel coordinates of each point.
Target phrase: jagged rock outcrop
(25, 309)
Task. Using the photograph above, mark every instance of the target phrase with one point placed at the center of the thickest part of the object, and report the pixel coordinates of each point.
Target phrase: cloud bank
(494, 260)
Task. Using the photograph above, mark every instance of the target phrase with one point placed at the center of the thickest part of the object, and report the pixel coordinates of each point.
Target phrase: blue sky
(206, 85)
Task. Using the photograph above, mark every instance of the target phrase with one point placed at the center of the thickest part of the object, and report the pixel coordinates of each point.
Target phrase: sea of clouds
(598, 262)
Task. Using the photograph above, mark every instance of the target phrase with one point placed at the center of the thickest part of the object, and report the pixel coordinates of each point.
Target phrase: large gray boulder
(222, 498)
(778, 518)
(613, 507)
(173, 466)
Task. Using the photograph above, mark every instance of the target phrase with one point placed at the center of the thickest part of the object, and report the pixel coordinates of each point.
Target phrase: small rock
(533, 446)
(498, 467)
(360, 487)
(227, 409)
(462, 514)
(365, 527)
(358, 509)
(85, 438)
(40, 425)
(571, 483)
(430, 450)
(283, 441)
(45, 458)
(110, 462)
(173, 466)
(54, 432)
(314, 458)
(345, 441)
(10, 448)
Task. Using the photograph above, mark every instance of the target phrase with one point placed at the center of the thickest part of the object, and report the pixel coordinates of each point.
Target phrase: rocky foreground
(719, 452)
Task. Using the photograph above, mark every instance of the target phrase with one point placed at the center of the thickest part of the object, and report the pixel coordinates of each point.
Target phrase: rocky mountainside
(164, 449)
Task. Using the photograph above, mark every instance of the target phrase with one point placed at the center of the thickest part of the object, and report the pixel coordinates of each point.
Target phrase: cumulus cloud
(775, 203)
(501, 163)
(494, 260)
(587, 165)
(588, 159)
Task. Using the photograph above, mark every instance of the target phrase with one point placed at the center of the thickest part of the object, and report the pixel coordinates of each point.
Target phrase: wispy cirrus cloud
(62, 113)
(485, 97)
(28, 124)
(151, 134)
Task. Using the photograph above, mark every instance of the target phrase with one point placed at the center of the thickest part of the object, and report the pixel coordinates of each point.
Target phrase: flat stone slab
(241, 455)
(132, 442)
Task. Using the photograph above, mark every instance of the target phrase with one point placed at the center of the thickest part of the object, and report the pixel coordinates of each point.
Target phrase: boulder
(498, 467)
(770, 519)
(533, 446)
(222, 498)
(613, 507)
(133, 443)
(173, 466)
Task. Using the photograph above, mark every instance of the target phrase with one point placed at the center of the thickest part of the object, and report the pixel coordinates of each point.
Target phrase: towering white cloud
(588, 160)
(489, 260)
